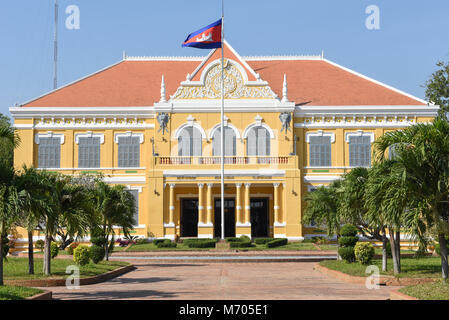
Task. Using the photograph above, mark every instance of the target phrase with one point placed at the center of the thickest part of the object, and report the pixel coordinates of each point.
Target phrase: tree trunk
(30, 253)
(443, 252)
(396, 267)
(398, 248)
(1, 259)
(384, 251)
(47, 255)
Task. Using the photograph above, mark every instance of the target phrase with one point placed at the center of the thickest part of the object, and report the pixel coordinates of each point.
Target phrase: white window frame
(52, 135)
(128, 134)
(360, 133)
(320, 133)
(89, 134)
(139, 190)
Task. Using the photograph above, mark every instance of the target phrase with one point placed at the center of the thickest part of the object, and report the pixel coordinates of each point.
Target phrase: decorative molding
(229, 173)
(258, 124)
(317, 179)
(237, 85)
(128, 135)
(320, 133)
(136, 188)
(359, 133)
(190, 123)
(49, 134)
(89, 134)
(229, 125)
(125, 179)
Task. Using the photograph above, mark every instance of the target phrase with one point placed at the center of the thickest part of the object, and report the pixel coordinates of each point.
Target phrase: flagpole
(222, 123)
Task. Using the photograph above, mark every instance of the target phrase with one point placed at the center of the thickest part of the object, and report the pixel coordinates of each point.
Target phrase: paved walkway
(221, 281)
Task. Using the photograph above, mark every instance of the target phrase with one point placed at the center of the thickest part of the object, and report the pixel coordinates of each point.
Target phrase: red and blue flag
(206, 38)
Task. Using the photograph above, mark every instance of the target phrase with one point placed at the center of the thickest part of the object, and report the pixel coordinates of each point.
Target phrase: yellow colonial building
(153, 124)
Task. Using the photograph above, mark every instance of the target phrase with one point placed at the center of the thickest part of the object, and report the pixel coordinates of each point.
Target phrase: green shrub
(72, 247)
(234, 239)
(347, 253)
(96, 254)
(364, 252)
(277, 243)
(54, 250)
(262, 240)
(157, 241)
(202, 244)
(40, 245)
(98, 241)
(81, 255)
(241, 244)
(142, 241)
(167, 244)
(348, 230)
(347, 241)
(244, 238)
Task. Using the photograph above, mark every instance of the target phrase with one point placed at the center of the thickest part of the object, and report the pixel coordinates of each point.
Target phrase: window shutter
(184, 143)
(229, 142)
(216, 143)
(197, 142)
(251, 143)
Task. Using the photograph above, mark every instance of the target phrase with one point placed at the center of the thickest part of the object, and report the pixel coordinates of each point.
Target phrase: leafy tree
(31, 188)
(421, 175)
(114, 207)
(354, 208)
(9, 205)
(322, 208)
(437, 87)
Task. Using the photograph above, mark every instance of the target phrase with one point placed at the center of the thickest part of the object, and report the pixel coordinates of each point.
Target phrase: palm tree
(31, 186)
(355, 210)
(9, 206)
(9, 133)
(322, 208)
(423, 167)
(114, 206)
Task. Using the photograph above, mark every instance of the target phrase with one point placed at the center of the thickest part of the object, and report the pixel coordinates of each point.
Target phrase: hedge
(201, 244)
(277, 243)
(262, 240)
(240, 244)
(167, 244)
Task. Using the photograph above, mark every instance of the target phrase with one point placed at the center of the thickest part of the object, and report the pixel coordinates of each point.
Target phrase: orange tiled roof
(138, 83)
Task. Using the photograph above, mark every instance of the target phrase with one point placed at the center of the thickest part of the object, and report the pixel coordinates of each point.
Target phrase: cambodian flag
(206, 38)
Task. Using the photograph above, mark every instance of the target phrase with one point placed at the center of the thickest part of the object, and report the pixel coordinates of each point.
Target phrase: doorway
(229, 211)
(189, 218)
(259, 218)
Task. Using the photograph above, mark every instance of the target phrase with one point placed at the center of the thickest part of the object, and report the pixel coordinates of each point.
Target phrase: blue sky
(413, 36)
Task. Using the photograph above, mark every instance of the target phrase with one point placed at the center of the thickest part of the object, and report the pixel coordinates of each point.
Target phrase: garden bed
(437, 290)
(9, 292)
(414, 271)
(16, 269)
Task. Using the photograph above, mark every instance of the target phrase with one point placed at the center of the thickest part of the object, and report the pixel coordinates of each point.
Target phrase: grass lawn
(297, 246)
(430, 291)
(17, 268)
(17, 293)
(428, 267)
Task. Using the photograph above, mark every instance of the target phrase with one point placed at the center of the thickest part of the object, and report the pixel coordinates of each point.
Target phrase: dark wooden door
(189, 218)
(259, 218)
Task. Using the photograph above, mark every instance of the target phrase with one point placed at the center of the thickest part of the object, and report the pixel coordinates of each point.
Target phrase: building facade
(292, 123)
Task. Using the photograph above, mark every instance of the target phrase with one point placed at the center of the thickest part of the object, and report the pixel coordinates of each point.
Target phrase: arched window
(229, 142)
(190, 142)
(258, 142)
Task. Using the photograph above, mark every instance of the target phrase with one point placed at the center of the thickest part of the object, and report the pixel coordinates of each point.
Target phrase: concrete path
(222, 281)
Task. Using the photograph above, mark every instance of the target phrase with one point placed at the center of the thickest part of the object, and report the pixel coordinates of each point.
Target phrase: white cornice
(424, 110)
(68, 112)
(214, 173)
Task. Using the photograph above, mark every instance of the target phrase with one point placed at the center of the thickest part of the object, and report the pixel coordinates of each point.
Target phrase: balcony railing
(276, 160)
